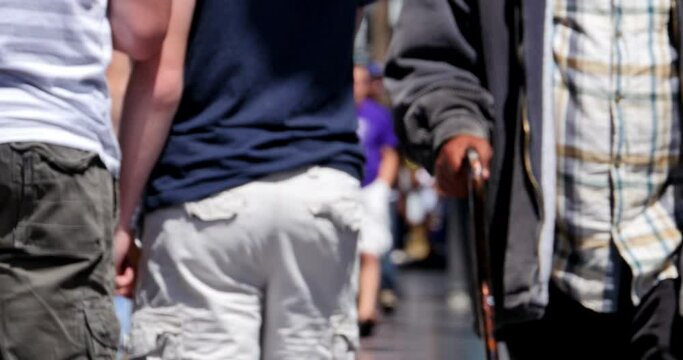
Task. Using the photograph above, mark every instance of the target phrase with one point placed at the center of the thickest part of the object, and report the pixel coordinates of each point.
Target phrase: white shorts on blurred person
(375, 235)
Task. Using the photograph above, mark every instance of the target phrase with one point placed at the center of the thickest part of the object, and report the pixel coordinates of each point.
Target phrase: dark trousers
(570, 331)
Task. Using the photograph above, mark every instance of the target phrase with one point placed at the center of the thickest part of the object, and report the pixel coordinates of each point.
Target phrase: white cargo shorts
(261, 271)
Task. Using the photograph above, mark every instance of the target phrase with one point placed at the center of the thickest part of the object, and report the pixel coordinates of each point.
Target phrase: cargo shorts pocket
(103, 330)
(68, 200)
(344, 212)
(344, 338)
(224, 206)
(155, 332)
(38, 328)
(337, 200)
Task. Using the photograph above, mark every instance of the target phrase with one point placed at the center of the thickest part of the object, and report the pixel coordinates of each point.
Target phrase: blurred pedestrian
(375, 129)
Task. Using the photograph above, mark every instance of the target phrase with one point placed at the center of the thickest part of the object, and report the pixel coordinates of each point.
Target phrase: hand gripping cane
(478, 233)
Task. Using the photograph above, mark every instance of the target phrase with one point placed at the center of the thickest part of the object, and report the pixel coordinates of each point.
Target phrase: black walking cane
(478, 233)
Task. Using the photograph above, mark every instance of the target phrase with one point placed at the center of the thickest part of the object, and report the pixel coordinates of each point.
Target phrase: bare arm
(388, 168)
(117, 77)
(139, 26)
(152, 98)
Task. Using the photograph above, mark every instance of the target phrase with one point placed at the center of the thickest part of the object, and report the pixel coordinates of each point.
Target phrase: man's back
(267, 89)
(53, 55)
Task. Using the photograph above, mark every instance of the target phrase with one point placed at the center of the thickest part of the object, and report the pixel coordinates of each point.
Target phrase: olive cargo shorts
(57, 211)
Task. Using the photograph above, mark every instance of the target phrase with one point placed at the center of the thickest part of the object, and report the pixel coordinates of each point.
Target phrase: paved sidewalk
(423, 327)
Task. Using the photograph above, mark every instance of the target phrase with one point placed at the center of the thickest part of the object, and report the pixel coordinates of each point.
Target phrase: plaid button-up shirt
(617, 125)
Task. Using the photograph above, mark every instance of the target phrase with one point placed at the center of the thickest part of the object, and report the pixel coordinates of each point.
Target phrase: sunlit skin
(362, 83)
(450, 172)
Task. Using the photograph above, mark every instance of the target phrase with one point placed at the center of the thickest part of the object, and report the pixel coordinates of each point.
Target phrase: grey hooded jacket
(477, 67)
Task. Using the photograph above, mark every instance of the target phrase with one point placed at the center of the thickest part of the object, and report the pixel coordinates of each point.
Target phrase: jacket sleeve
(435, 77)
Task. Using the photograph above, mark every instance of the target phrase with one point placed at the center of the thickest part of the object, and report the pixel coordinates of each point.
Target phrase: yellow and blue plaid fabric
(617, 125)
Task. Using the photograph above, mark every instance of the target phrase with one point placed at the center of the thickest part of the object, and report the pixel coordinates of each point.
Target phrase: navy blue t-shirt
(268, 88)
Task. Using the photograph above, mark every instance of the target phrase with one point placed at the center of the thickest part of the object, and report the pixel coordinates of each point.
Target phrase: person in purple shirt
(375, 130)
